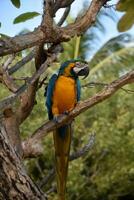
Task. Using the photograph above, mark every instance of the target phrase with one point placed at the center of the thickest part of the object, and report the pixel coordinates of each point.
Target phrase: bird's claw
(66, 112)
(57, 118)
(78, 103)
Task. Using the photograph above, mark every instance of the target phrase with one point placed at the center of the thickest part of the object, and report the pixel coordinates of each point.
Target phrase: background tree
(101, 172)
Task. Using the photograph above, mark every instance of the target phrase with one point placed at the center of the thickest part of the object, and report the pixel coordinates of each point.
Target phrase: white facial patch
(79, 66)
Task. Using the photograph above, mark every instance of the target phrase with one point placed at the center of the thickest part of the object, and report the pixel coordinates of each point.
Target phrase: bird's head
(74, 68)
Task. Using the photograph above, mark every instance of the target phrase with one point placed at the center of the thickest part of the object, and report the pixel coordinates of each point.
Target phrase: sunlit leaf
(25, 16)
(16, 3)
(127, 20)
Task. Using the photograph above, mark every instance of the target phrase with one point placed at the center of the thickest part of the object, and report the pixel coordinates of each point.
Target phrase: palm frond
(111, 46)
(112, 66)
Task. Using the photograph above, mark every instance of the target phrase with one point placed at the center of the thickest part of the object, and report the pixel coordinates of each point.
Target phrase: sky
(8, 12)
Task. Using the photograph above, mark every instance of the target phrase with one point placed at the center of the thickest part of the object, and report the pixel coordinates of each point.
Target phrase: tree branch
(10, 100)
(81, 107)
(93, 84)
(8, 62)
(64, 16)
(22, 62)
(49, 33)
(84, 22)
(5, 78)
(85, 149)
(8, 81)
(62, 4)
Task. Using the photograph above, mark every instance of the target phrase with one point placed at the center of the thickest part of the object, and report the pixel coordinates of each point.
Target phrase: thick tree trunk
(14, 182)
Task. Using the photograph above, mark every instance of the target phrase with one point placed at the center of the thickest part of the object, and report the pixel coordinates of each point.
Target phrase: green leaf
(126, 22)
(125, 5)
(25, 16)
(16, 3)
(0, 24)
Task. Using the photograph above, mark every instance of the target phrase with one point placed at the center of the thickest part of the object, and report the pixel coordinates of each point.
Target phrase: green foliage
(16, 3)
(25, 16)
(127, 20)
(114, 53)
(0, 24)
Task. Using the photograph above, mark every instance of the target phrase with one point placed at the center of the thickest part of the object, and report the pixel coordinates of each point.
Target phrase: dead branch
(85, 149)
(62, 4)
(22, 62)
(5, 65)
(93, 84)
(81, 107)
(42, 82)
(85, 21)
(8, 81)
(5, 78)
(49, 33)
(47, 178)
(64, 16)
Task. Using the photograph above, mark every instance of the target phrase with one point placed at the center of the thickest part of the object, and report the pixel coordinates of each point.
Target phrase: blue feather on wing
(49, 95)
(78, 87)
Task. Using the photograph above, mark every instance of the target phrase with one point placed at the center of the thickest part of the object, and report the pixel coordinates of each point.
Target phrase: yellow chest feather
(64, 96)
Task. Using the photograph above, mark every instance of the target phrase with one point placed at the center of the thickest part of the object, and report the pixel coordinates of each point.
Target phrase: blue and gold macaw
(63, 93)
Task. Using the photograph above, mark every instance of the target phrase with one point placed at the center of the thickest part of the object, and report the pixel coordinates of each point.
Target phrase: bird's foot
(78, 103)
(58, 118)
(66, 112)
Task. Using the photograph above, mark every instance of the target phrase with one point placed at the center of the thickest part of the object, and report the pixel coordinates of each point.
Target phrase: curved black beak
(84, 72)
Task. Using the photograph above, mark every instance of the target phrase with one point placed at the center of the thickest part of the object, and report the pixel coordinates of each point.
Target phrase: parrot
(62, 95)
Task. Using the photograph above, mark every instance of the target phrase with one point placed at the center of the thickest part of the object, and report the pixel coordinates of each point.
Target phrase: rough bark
(11, 125)
(14, 182)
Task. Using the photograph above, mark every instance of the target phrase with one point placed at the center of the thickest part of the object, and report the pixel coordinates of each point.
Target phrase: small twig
(21, 78)
(8, 62)
(93, 84)
(6, 79)
(64, 16)
(46, 179)
(42, 82)
(22, 62)
(85, 149)
(38, 166)
(127, 90)
(52, 189)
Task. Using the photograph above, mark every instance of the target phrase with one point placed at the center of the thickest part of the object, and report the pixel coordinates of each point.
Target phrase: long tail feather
(62, 141)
